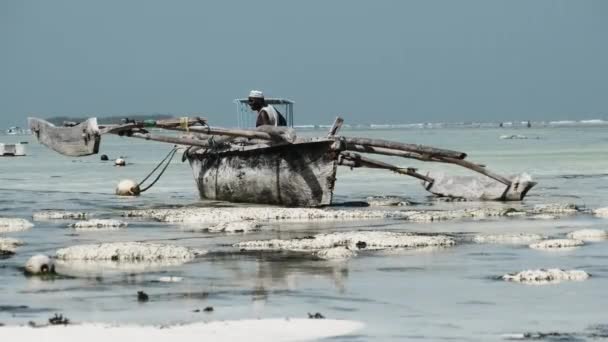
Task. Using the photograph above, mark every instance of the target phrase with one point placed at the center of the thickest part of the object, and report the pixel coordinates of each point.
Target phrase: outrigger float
(271, 165)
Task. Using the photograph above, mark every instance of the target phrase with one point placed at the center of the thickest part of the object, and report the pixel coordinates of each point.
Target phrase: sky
(375, 61)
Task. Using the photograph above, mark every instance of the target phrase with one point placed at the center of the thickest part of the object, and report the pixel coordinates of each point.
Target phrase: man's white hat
(256, 94)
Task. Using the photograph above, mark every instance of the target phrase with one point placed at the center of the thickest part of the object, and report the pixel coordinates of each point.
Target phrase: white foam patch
(356, 240)
(336, 253)
(601, 212)
(557, 244)
(588, 234)
(99, 225)
(511, 238)
(8, 224)
(223, 216)
(556, 209)
(235, 227)
(255, 330)
(478, 213)
(385, 201)
(544, 217)
(170, 279)
(59, 215)
(217, 215)
(546, 276)
(127, 251)
(9, 245)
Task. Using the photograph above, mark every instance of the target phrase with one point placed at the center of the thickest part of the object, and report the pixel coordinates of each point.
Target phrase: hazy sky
(370, 61)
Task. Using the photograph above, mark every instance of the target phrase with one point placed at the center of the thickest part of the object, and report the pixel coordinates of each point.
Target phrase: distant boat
(12, 150)
(13, 130)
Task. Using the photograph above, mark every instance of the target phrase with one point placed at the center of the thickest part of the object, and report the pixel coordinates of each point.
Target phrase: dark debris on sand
(208, 309)
(317, 315)
(59, 320)
(142, 296)
(594, 332)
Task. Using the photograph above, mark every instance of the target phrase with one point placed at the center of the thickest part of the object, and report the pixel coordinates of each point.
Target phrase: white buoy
(127, 187)
(120, 162)
(40, 264)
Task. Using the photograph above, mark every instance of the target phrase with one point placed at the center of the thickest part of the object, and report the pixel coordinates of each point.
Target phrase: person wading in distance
(267, 114)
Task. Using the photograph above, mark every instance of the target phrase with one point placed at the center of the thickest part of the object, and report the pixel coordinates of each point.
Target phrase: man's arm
(262, 119)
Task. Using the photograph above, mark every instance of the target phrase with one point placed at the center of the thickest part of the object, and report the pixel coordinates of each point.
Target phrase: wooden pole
(335, 127)
(386, 151)
(397, 153)
(359, 160)
(420, 149)
(171, 140)
(244, 133)
(477, 168)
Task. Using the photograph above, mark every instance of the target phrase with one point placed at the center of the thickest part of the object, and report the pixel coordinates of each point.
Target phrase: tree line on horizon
(108, 120)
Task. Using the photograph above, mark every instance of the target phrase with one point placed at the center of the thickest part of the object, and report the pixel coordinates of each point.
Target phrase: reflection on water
(432, 293)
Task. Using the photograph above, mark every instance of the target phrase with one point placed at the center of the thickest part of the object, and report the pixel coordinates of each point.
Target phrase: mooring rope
(169, 156)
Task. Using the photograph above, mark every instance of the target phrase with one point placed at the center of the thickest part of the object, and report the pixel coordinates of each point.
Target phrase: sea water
(436, 294)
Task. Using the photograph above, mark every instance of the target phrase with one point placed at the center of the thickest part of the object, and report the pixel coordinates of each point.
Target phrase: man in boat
(267, 114)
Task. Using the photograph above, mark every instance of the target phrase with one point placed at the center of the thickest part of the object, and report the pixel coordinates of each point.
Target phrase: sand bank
(243, 330)
(127, 251)
(557, 244)
(9, 245)
(356, 240)
(59, 215)
(546, 276)
(588, 235)
(508, 238)
(98, 225)
(8, 224)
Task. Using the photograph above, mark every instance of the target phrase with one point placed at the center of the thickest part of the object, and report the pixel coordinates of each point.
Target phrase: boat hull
(297, 175)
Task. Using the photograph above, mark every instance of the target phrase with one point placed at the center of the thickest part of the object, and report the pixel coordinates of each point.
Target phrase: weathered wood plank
(420, 149)
(80, 140)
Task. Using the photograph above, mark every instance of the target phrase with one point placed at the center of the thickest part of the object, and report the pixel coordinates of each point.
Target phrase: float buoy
(104, 157)
(128, 187)
(40, 264)
(120, 162)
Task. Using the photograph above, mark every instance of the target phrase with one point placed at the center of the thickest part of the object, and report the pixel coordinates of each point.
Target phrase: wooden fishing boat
(301, 174)
(271, 165)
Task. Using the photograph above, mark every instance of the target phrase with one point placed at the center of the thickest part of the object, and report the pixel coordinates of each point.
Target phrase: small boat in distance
(12, 150)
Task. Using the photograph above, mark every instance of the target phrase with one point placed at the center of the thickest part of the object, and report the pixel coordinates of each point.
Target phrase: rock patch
(513, 238)
(235, 227)
(601, 212)
(385, 201)
(59, 215)
(335, 253)
(557, 209)
(9, 225)
(127, 251)
(546, 276)
(98, 225)
(9, 245)
(215, 215)
(557, 244)
(355, 240)
(588, 235)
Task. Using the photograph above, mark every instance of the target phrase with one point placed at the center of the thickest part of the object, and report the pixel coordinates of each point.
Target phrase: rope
(168, 159)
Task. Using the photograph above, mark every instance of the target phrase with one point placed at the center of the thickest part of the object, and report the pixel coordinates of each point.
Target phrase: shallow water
(427, 294)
